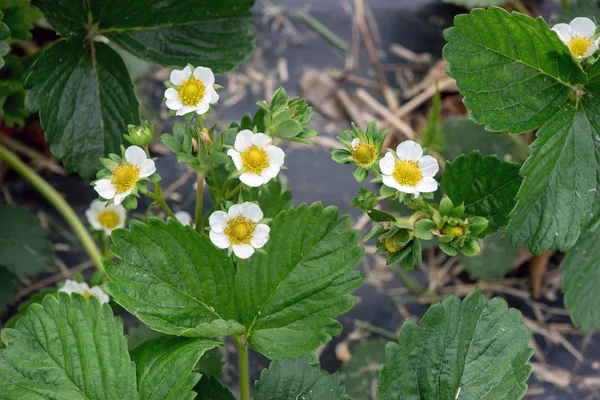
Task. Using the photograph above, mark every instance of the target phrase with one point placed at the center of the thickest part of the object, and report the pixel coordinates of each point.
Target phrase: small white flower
(578, 36)
(71, 286)
(184, 218)
(408, 170)
(106, 218)
(355, 143)
(254, 155)
(194, 91)
(239, 228)
(126, 176)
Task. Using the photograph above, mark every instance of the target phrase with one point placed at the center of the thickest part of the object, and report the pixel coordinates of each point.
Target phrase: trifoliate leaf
(19, 15)
(25, 248)
(514, 72)
(68, 17)
(495, 261)
(559, 195)
(164, 366)
(8, 288)
(361, 373)
(470, 351)
(477, 3)
(581, 282)
(67, 348)
(209, 388)
(86, 100)
(173, 279)
(271, 198)
(463, 136)
(486, 185)
(293, 380)
(288, 296)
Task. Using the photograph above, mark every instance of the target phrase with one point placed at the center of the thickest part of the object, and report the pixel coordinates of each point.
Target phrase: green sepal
(386, 190)
(477, 224)
(130, 203)
(446, 206)
(375, 233)
(470, 248)
(380, 216)
(448, 249)
(366, 200)
(424, 228)
(360, 174)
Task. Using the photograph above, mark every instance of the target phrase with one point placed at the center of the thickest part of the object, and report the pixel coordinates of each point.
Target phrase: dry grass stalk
(383, 111)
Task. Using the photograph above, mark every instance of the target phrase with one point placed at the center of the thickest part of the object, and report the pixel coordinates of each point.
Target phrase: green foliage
(486, 186)
(79, 351)
(470, 350)
(292, 380)
(173, 279)
(477, 3)
(433, 136)
(361, 372)
(164, 367)
(580, 8)
(19, 16)
(12, 94)
(288, 295)
(4, 34)
(25, 246)
(495, 261)
(581, 282)
(271, 198)
(209, 388)
(514, 72)
(8, 288)
(136, 335)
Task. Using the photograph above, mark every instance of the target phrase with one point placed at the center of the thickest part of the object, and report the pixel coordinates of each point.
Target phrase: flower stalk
(242, 348)
(199, 198)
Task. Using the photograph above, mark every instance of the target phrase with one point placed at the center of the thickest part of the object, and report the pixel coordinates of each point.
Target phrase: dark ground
(416, 25)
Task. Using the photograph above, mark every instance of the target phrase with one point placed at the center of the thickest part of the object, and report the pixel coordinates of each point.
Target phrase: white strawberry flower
(184, 218)
(104, 217)
(126, 175)
(256, 158)
(71, 286)
(239, 229)
(193, 91)
(408, 170)
(578, 35)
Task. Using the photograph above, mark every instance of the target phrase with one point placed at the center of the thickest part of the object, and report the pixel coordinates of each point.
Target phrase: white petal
(99, 293)
(250, 179)
(147, 168)
(214, 96)
(119, 197)
(105, 188)
(582, 26)
(92, 217)
(183, 217)
(243, 251)
(252, 211)
(389, 181)
(387, 164)
(218, 221)
(427, 185)
(591, 50)
(171, 93)
(236, 157)
(72, 286)
(135, 155)
(179, 76)
(202, 107)
(174, 103)
(563, 31)
(276, 155)
(260, 236)
(408, 189)
(185, 110)
(270, 172)
(220, 240)
(235, 211)
(97, 205)
(122, 216)
(429, 166)
(409, 151)
(261, 140)
(243, 140)
(205, 75)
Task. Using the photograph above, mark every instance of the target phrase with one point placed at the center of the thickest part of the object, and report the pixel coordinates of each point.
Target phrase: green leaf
(86, 100)
(173, 279)
(361, 372)
(164, 366)
(581, 282)
(4, 34)
(209, 388)
(559, 194)
(288, 296)
(211, 363)
(463, 136)
(292, 380)
(67, 348)
(271, 198)
(8, 288)
(219, 35)
(477, 3)
(25, 248)
(486, 185)
(20, 17)
(477, 348)
(136, 335)
(12, 97)
(495, 261)
(514, 72)
(68, 17)
(581, 8)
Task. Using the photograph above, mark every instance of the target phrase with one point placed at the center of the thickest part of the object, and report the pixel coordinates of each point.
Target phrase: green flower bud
(446, 206)
(141, 135)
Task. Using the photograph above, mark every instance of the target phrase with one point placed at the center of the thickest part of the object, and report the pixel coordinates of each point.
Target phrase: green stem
(161, 201)
(565, 3)
(57, 201)
(199, 193)
(232, 193)
(105, 246)
(322, 30)
(242, 348)
(364, 325)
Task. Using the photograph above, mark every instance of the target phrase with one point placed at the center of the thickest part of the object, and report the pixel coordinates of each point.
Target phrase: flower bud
(141, 135)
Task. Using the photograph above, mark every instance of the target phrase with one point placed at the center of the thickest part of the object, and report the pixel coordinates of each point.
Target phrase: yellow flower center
(125, 176)
(391, 246)
(191, 92)
(407, 173)
(108, 219)
(255, 159)
(240, 230)
(86, 295)
(579, 45)
(364, 154)
(456, 230)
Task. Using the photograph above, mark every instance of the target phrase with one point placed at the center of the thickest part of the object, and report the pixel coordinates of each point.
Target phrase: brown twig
(537, 269)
